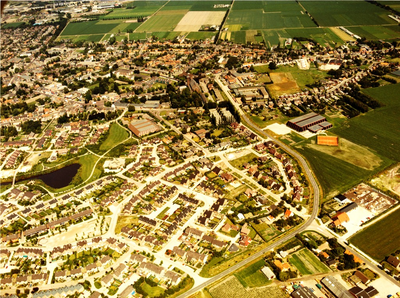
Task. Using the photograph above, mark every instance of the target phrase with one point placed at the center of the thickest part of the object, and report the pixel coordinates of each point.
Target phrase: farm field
(346, 13)
(323, 36)
(162, 21)
(377, 32)
(392, 4)
(377, 127)
(252, 276)
(201, 35)
(380, 239)
(142, 9)
(90, 27)
(196, 5)
(193, 20)
(389, 180)
(307, 263)
(92, 37)
(116, 135)
(137, 35)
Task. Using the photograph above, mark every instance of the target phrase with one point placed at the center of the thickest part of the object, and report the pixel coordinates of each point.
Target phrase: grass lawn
(238, 162)
(152, 291)
(162, 213)
(252, 276)
(235, 192)
(125, 221)
(308, 263)
(12, 25)
(380, 239)
(266, 231)
(116, 135)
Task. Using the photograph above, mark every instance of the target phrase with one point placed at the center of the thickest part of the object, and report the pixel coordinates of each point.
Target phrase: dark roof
(348, 208)
(303, 293)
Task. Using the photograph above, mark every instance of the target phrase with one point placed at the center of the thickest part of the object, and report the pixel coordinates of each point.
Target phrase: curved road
(313, 184)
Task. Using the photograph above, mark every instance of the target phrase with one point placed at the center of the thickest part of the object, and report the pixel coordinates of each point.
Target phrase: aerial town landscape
(202, 149)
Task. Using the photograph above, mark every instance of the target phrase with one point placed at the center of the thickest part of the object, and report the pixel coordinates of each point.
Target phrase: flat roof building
(303, 293)
(143, 127)
(310, 121)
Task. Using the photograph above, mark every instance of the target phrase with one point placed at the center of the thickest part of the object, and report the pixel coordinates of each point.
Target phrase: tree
(131, 108)
(272, 65)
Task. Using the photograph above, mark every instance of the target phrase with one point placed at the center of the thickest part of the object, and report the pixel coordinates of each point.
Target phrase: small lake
(59, 178)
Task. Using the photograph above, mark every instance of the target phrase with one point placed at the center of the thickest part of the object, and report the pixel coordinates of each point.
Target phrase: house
(174, 277)
(107, 279)
(366, 293)
(245, 231)
(244, 240)
(288, 213)
(340, 218)
(363, 278)
(282, 266)
(118, 272)
(126, 292)
(394, 261)
(194, 233)
(250, 193)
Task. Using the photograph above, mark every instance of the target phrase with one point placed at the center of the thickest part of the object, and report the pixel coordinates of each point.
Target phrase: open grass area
(125, 221)
(381, 238)
(238, 162)
(266, 231)
(346, 13)
(252, 276)
(137, 36)
(87, 161)
(378, 129)
(307, 263)
(116, 135)
(11, 25)
(152, 291)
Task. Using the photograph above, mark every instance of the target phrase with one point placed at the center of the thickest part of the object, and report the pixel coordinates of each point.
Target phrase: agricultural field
(162, 21)
(323, 36)
(196, 5)
(11, 25)
(346, 13)
(252, 276)
(377, 32)
(307, 263)
(90, 27)
(389, 180)
(381, 238)
(142, 9)
(377, 127)
(392, 4)
(203, 35)
(232, 288)
(194, 20)
(266, 231)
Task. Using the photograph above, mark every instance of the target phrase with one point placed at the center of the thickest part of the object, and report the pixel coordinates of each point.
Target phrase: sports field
(327, 140)
(346, 13)
(307, 263)
(380, 239)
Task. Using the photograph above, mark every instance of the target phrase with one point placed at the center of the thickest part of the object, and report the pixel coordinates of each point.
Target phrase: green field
(116, 135)
(137, 36)
(377, 32)
(252, 275)
(202, 35)
(266, 231)
(90, 27)
(307, 263)
(380, 239)
(142, 9)
(379, 129)
(268, 15)
(161, 22)
(11, 25)
(93, 37)
(322, 36)
(195, 5)
(87, 162)
(238, 162)
(346, 13)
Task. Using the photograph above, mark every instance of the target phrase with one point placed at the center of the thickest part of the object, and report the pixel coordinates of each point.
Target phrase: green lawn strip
(381, 238)
(314, 261)
(116, 135)
(252, 276)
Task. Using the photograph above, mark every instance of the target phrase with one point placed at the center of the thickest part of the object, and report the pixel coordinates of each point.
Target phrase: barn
(311, 121)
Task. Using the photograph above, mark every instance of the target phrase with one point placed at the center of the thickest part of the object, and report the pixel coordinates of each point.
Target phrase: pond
(59, 178)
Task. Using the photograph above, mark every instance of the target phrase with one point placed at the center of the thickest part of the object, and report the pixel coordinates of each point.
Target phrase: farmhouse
(143, 127)
(311, 121)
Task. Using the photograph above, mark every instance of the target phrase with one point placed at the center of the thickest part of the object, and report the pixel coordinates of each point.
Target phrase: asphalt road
(313, 184)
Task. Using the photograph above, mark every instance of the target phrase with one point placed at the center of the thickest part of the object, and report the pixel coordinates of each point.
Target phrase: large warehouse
(311, 121)
(143, 127)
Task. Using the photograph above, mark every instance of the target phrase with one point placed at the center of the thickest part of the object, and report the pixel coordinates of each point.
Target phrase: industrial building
(311, 121)
(303, 292)
(335, 287)
(143, 127)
